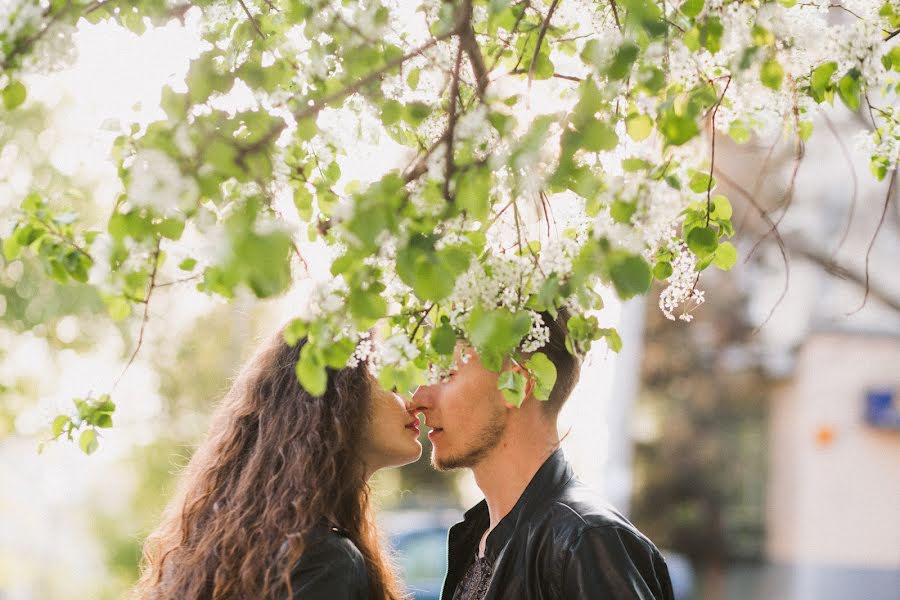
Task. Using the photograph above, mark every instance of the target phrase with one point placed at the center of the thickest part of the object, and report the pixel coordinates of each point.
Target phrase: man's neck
(508, 469)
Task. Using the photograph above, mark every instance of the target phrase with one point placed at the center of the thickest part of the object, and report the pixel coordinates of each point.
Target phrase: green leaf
(612, 338)
(639, 126)
(544, 372)
(692, 8)
(473, 192)
(771, 74)
(58, 424)
(118, 308)
(820, 80)
(496, 333)
(711, 34)
(630, 274)
(13, 95)
(311, 373)
(721, 208)
(391, 112)
(621, 212)
(294, 331)
(367, 305)
(725, 256)
(11, 248)
(412, 80)
(739, 132)
(88, 441)
(702, 241)
(187, 264)
(597, 136)
(662, 270)
(677, 129)
(543, 67)
(443, 339)
(512, 385)
(700, 182)
(850, 89)
(621, 63)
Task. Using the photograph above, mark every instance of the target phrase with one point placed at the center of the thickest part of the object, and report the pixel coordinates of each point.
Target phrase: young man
(539, 533)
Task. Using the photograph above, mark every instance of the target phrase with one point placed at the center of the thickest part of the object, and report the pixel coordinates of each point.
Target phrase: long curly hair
(275, 463)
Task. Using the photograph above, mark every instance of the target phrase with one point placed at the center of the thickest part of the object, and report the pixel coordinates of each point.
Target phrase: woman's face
(391, 438)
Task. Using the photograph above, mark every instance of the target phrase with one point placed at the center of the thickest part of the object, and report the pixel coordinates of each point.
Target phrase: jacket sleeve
(332, 569)
(615, 563)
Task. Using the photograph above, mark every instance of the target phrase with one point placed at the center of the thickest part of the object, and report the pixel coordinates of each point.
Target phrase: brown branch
(420, 321)
(887, 201)
(470, 45)
(316, 106)
(789, 193)
(853, 199)
(421, 165)
(451, 123)
(773, 229)
(177, 281)
(615, 12)
(540, 40)
(252, 19)
(556, 75)
(507, 42)
(146, 302)
(712, 163)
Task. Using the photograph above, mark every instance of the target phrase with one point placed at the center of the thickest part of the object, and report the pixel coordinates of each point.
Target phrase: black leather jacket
(331, 568)
(561, 541)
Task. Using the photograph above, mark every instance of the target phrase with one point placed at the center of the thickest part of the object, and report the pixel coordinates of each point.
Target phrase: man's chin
(449, 463)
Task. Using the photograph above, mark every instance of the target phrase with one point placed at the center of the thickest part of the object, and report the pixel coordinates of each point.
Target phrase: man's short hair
(568, 366)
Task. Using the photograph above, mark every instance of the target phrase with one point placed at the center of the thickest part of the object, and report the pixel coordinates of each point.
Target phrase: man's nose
(423, 398)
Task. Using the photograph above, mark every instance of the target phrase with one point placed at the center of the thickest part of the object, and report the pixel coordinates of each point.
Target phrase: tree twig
(540, 40)
(887, 201)
(451, 124)
(470, 45)
(252, 19)
(852, 168)
(316, 106)
(146, 315)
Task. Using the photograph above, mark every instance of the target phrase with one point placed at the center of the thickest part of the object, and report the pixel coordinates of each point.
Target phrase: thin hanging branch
(712, 165)
(146, 301)
(852, 169)
(887, 201)
(773, 229)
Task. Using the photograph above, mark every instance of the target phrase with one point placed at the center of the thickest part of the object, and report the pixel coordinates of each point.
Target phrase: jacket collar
(549, 478)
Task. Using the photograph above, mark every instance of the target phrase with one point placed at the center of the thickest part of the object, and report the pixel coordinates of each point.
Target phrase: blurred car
(419, 539)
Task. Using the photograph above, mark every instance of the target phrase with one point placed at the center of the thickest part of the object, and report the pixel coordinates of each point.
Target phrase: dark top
(560, 540)
(331, 568)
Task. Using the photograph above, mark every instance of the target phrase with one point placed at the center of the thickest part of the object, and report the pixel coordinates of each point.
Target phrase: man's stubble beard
(486, 440)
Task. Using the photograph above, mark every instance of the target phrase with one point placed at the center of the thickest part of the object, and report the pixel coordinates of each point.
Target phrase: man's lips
(434, 432)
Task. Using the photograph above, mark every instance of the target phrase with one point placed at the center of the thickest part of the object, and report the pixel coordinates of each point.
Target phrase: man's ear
(530, 381)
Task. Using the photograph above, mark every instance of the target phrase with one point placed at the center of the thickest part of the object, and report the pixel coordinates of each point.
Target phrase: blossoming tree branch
(558, 151)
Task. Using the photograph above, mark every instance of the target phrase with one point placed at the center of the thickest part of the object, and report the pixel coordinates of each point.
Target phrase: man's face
(467, 413)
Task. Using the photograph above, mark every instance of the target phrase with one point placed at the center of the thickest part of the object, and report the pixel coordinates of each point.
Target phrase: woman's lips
(413, 425)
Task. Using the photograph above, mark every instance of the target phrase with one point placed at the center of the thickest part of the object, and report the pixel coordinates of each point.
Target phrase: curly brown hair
(275, 463)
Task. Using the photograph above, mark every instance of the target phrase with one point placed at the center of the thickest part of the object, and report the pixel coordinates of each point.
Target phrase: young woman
(274, 503)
